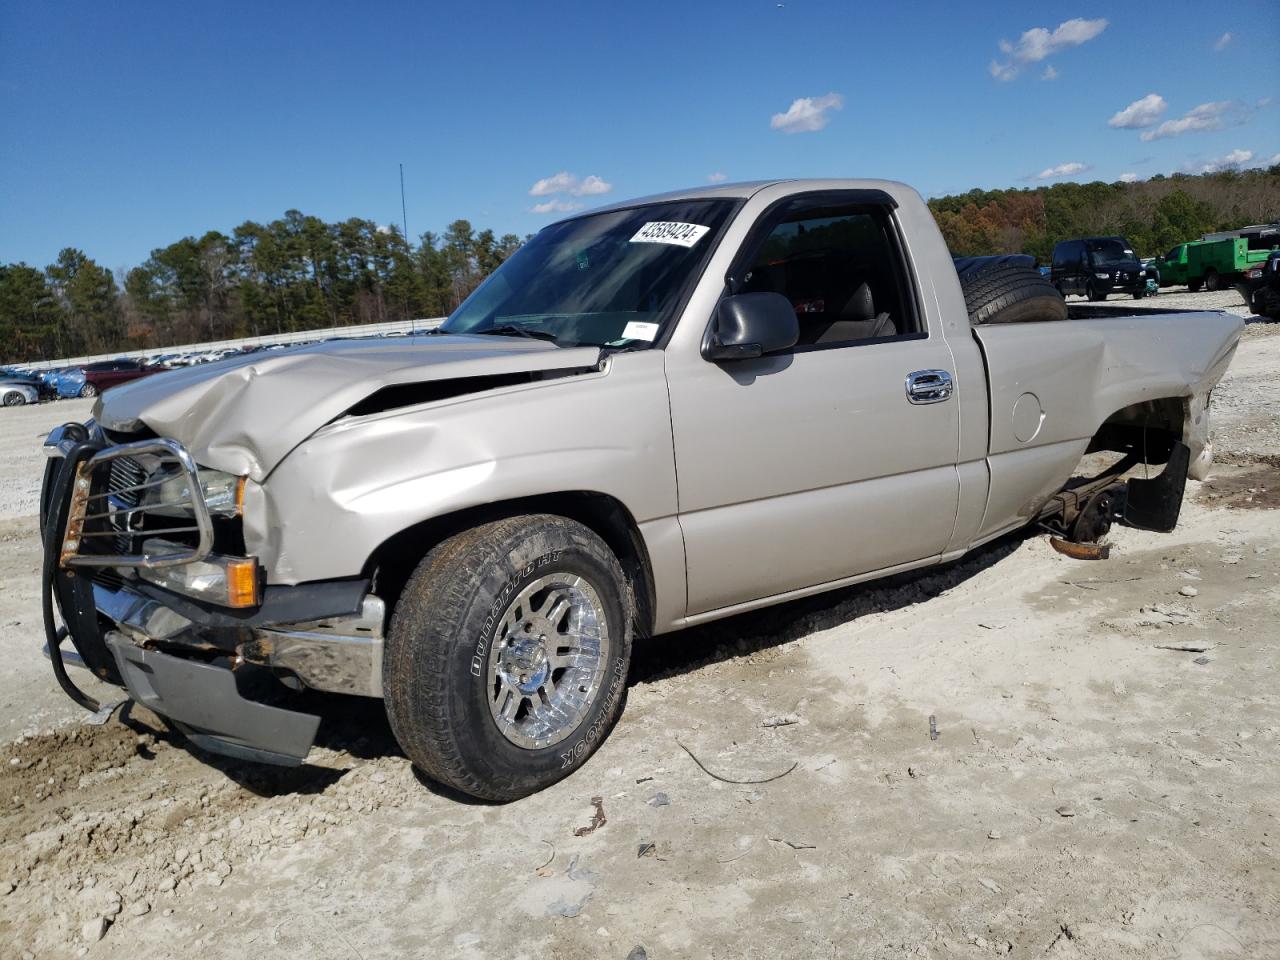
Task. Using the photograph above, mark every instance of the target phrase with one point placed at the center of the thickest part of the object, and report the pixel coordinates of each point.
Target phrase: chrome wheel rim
(547, 660)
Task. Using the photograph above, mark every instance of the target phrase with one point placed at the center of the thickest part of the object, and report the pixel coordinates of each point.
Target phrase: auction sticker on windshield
(637, 330)
(664, 231)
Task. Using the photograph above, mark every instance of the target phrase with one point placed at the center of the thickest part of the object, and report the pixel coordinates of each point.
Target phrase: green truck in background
(1212, 264)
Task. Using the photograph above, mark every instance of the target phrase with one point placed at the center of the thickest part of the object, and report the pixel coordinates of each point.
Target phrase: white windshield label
(663, 231)
(637, 330)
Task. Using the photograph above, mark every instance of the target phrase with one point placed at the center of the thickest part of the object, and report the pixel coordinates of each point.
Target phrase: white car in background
(15, 394)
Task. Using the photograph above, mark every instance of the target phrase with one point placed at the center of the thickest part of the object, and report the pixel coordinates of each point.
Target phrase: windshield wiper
(509, 329)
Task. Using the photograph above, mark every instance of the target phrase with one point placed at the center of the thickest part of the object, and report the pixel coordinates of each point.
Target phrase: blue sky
(127, 126)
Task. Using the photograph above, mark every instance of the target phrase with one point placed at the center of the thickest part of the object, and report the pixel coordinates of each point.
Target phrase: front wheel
(1093, 293)
(88, 390)
(506, 661)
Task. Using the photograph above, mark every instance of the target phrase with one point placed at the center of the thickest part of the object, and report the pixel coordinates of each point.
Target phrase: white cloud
(1207, 116)
(1222, 43)
(1003, 71)
(1237, 159)
(1140, 113)
(1231, 161)
(557, 183)
(384, 228)
(1128, 178)
(1062, 170)
(556, 206)
(1049, 73)
(807, 114)
(1040, 42)
(716, 177)
(591, 186)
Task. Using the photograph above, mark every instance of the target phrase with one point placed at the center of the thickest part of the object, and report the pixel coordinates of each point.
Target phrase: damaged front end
(145, 562)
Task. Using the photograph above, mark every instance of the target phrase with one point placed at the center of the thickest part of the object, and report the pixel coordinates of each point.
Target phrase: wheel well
(1147, 429)
(392, 563)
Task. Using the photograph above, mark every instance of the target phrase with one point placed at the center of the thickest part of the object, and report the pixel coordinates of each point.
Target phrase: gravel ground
(1103, 783)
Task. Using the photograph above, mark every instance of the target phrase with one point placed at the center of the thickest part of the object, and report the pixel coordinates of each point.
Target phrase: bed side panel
(1053, 384)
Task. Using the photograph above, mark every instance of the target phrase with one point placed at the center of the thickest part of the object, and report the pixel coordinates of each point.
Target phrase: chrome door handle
(928, 386)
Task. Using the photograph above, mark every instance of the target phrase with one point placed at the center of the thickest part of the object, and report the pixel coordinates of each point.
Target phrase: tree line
(295, 273)
(301, 273)
(1154, 214)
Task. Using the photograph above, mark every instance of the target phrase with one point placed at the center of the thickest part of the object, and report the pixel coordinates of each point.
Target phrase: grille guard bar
(82, 491)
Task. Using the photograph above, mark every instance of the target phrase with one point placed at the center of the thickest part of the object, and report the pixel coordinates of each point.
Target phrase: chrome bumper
(337, 654)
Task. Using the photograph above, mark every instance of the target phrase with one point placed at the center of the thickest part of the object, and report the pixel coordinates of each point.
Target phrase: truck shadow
(672, 654)
(356, 728)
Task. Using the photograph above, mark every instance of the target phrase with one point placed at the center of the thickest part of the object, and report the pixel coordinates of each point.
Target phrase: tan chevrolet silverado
(653, 415)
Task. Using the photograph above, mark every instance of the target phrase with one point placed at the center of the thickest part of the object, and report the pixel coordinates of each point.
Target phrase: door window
(841, 268)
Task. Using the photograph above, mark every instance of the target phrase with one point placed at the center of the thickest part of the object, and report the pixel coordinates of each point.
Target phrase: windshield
(610, 279)
(1111, 252)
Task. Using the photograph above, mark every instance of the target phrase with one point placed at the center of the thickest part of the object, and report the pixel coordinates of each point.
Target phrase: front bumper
(202, 699)
(1125, 286)
(181, 657)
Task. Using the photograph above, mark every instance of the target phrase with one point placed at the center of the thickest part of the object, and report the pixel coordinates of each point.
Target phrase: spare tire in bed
(1010, 291)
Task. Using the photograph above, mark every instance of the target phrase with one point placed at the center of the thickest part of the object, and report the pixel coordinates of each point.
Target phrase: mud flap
(1155, 504)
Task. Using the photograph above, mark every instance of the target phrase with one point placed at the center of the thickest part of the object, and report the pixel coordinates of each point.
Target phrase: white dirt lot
(1104, 781)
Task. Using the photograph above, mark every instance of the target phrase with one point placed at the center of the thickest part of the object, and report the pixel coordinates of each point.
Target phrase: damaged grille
(125, 486)
(124, 496)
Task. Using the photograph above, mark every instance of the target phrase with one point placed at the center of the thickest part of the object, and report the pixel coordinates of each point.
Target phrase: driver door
(814, 465)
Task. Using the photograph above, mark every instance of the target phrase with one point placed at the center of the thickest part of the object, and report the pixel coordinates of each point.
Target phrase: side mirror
(750, 325)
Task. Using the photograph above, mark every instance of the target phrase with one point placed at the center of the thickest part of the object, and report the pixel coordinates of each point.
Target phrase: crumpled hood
(245, 414)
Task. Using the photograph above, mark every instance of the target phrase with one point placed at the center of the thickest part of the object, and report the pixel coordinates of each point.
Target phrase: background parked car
(1260, 287)
(15, 393)
(43, 390)
(67, 383)
(1096, 267)
(110, 373)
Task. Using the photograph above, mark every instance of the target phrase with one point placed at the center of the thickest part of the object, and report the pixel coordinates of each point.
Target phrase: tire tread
(420, 645)
(1011, 292)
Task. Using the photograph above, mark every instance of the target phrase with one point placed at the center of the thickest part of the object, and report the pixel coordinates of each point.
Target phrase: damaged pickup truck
(653, 415)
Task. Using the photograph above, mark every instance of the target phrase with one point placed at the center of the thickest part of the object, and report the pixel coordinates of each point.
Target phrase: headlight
(1102, 276)
(223, 494)
(226, 581)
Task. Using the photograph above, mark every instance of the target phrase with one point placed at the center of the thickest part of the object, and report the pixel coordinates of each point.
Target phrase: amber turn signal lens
(242, 583)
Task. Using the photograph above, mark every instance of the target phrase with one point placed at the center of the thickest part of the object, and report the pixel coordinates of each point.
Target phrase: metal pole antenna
(404, 219)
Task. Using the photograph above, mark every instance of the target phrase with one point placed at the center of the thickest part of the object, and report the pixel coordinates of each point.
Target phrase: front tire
(88, 390)
(1093, 294)
(506, 661)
